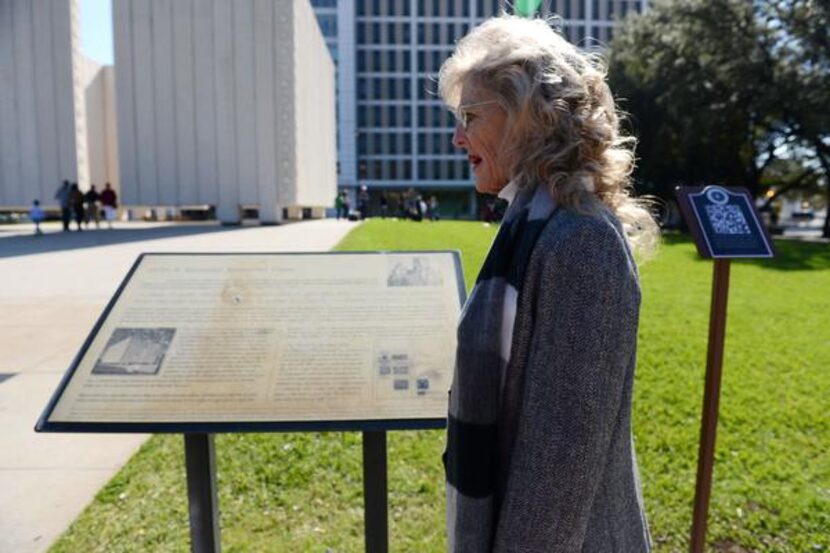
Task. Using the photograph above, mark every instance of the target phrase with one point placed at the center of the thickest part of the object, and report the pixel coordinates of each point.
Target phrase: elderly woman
(539, 450)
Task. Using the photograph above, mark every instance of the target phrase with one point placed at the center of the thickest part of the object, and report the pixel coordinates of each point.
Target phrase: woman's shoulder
(577, 247)
(569, 229)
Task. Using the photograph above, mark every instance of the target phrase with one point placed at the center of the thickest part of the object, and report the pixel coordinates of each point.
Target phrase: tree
(803, 51)
(718, 90)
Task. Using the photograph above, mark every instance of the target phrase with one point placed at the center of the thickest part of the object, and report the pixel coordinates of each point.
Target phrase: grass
(771, 492)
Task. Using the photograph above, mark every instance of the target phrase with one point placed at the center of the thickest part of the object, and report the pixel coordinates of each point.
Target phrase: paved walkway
(52, 289)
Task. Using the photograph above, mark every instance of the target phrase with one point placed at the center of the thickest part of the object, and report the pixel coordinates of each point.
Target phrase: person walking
(92, 212)
(109, 202)
(363, 202)
(338, 205)
(384, 205)
(63, 197)
(432, 209)
(37, 215)
(76, 204)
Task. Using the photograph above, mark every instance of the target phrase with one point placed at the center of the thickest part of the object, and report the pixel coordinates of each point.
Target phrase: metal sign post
(375, 511)
(203, 503)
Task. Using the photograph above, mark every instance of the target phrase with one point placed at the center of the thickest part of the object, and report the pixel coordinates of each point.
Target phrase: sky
(96, 30)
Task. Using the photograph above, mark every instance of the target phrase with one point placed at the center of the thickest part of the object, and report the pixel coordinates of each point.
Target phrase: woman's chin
(489, 186)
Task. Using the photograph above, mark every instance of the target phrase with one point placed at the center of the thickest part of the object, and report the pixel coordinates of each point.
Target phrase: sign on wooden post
(725, 225)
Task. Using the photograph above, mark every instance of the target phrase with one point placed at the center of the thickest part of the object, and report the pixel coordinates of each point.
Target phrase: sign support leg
(711, 396)
(200, 462)
(375, 491)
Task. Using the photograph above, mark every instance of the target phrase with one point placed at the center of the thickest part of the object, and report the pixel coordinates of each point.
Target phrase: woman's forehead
(474, 91)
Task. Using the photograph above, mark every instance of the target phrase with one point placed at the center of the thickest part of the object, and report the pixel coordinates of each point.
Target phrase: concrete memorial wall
(39, 93)
(224, 103)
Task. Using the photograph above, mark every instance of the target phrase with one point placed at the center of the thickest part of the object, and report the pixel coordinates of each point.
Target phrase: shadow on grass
(791, 255)
(19, 245)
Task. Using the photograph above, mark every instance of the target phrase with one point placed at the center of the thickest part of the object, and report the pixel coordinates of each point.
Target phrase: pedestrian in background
(363, 202)
(109, 201)
(432, 209)
(76, 204)
(63, 197)
(92, 212)
(37, 216)
(338, 205)
(384, 205)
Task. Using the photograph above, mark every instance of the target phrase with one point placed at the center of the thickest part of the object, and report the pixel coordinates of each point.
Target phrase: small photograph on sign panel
(134, 351)
(414, 271)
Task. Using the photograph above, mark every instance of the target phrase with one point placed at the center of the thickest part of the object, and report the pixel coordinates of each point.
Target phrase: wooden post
(711, 396)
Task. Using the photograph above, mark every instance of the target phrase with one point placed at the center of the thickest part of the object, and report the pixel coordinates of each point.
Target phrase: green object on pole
(527, 8)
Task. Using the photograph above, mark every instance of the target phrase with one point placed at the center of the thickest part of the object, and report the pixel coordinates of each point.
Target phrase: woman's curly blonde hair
(563, 121)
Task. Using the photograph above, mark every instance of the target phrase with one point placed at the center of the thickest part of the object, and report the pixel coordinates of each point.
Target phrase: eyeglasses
(462, 116)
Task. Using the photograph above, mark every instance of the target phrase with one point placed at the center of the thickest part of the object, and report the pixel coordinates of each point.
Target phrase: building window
(398, 7)
(489, 8)
(328, 24)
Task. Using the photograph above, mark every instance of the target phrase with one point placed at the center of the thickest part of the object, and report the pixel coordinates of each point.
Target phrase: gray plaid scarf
(472, 458)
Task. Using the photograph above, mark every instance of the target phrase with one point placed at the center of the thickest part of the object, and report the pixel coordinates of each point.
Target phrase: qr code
(727, 219)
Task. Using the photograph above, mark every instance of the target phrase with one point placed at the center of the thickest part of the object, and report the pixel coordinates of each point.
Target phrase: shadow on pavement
(28, 244)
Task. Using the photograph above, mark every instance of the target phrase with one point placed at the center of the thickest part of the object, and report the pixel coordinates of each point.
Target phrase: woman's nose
(459, 137)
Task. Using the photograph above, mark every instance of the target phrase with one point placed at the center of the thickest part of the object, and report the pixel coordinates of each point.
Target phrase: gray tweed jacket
(571, 481)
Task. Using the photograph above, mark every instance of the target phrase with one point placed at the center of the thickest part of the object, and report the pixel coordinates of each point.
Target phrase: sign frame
(206, 427)
(706, 246)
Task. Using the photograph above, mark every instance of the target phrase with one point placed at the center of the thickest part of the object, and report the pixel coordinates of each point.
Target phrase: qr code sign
(727, 219)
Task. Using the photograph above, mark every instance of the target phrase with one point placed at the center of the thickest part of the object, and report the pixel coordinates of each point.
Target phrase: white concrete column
(227, 209)
(266, 176)
(185, 101)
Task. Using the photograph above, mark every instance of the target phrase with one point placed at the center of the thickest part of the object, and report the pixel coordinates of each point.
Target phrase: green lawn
(302, 492)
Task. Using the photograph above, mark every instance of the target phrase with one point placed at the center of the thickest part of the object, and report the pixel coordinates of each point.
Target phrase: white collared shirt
(509, 192)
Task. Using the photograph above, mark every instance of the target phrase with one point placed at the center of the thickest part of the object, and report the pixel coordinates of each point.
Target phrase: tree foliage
(719, 90)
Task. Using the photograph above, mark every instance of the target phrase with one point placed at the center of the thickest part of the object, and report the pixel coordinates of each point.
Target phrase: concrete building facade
(101, 130)
(394, 133)
(227, 103)
(42, 133)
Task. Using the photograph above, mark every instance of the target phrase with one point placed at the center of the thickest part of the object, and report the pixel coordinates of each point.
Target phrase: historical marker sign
(724, 222)
(224, 342)
(725, 225)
